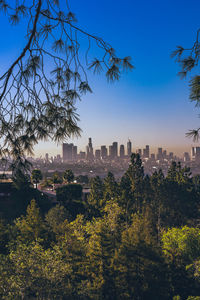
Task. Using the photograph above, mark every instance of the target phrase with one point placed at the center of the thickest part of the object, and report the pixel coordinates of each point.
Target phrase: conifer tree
(95, 198)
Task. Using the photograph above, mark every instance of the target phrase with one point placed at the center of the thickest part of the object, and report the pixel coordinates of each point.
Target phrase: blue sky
(151, 104)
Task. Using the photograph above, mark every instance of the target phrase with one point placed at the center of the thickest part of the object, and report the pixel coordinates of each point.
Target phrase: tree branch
(9, 72)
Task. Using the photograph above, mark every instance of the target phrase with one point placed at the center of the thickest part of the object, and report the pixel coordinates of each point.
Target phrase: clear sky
(149, 105)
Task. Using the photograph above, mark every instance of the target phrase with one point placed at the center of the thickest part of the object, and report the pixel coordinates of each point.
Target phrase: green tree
(36, 176)
(140, 270)
(70, 196)
(95, 198)
(181, 248)
(82, 179)
(56, 216)
(31, 226)
(38, 273)
(135, 173)
(68, 176)
(103, 241)
(111, 188)
(56, 179)
(21, 180)
(180, 198)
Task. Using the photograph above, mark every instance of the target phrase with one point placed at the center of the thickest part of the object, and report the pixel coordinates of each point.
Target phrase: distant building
(74, 153)
(121, 151)
(89, 150)
(195, 153)
(98, 154)
(146, 152)
(164, 154)
(160, 154)
(115, 149)
(129, 148)
(186, 157)
(139, 151)
(82, 155)
(104, 152)
(67, 152)
(111, 155)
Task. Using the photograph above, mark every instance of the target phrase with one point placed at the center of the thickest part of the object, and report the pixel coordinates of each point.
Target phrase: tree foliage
(188, 59)
(36, 176)
(104, 248)
(68, 176)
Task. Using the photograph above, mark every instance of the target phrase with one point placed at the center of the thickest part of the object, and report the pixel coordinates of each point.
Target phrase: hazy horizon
(42, 148)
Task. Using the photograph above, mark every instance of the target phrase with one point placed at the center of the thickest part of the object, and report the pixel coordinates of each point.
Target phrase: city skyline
(135, 147)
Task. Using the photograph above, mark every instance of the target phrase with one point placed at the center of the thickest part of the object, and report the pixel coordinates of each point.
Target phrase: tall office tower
(74, 153)
(195, 153)
(98, 154)
(67, 152)
(104, 152)
(82, 155)
(164, 154)
(186, 157)
(89, 150)
(147, 151)
(159, 154)
(111, 156)
(115, 149)
(139, 151)
(121, 151)
(153, 157)
(129, 148)
(144, 153)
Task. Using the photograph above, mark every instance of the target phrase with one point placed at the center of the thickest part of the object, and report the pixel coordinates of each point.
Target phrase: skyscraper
(195, 153)
(160, 154)
(186, 157)
(146, 152)
(104, 152)
(67, 151)
(74, 153)
(98, 154)
(115, 149)
(89, 150)
(121, 151)
(111, 156)
(129, 148)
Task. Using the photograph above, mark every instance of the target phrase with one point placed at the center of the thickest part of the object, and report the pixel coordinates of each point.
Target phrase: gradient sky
(149, 105)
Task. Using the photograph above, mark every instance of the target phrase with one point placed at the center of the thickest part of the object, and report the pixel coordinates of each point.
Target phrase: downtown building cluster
(115, 151)
(69, 152)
